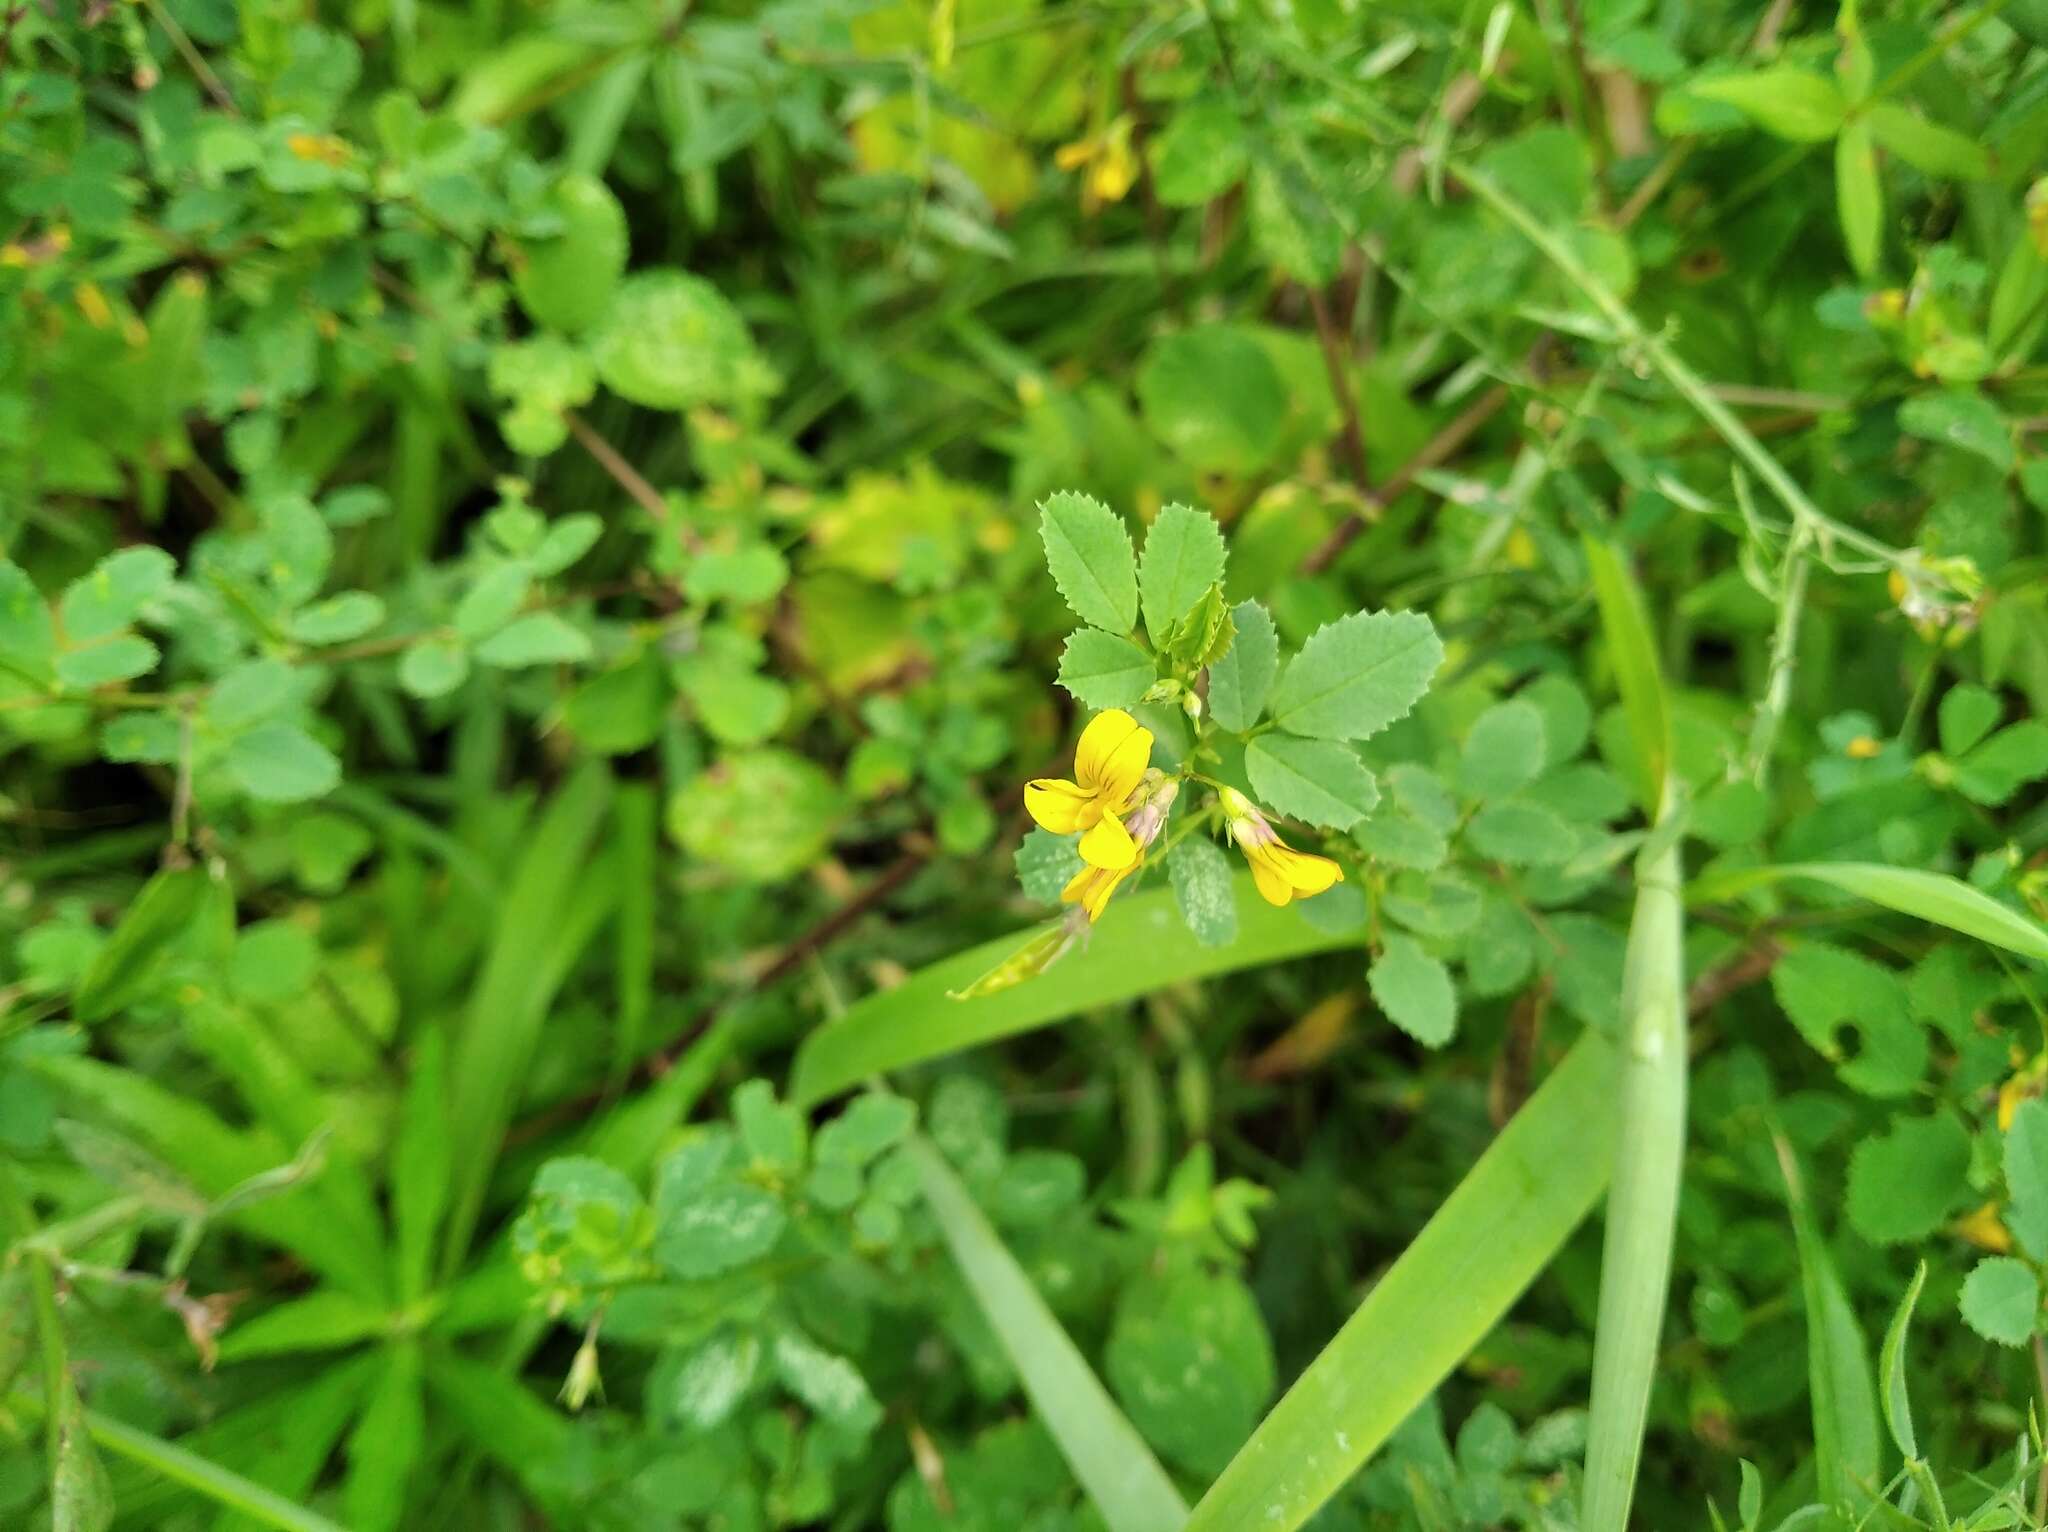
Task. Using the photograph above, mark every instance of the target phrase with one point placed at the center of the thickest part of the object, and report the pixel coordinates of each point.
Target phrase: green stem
(20, 1215)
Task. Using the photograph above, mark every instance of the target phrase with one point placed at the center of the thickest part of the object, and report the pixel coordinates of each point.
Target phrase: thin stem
(1337, 364)
(1770, 713)
(628, 478)
(21, 1221)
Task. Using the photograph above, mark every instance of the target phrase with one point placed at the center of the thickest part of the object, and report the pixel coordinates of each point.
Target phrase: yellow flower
(1091, 887)
(1281, 873)
(1109, 763)
(1110, 162)
(1984, 1229)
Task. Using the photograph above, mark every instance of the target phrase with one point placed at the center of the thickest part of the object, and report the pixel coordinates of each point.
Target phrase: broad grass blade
(1493, 1235)
(1931, 896)
(1140, 944)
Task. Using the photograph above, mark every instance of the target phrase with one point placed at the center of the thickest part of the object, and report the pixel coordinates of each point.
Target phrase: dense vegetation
(1069, 767)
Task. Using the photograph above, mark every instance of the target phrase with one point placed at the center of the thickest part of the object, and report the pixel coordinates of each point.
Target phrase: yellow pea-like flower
(1280, 873)
(1092, 887)
(1109, 763)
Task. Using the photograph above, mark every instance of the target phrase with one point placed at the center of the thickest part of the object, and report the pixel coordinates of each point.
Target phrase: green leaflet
(1357, 675)
(1089, 553)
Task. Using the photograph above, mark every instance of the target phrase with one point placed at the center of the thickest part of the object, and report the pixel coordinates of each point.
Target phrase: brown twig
(1437, 449)
(1336, 362)
(628, 478)
(1747, 967)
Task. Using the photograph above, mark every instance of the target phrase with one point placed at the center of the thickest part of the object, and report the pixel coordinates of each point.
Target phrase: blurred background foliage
(520, 599)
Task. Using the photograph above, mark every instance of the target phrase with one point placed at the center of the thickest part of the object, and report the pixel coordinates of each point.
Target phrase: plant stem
(20, 1216)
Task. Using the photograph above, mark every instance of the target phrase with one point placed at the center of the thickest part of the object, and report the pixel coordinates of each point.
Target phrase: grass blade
(1632, 650)
(208, 1478)
(1103, 1448)
(1140, 945)
(1490, 1239)
(1642, 1206)
(547, 916)
(1846, 1450)
(1931, 896)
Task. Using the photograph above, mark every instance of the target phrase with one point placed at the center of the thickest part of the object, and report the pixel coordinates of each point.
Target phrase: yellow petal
(1107, 732)
(1308, 873)
(1112, 756)
(1109, 844)
(1272, 882)
(1060, 806)
(1091, 887)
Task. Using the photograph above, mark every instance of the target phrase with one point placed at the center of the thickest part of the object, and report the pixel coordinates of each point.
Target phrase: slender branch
(1337, 364)
(1436, 450)
(628, 478)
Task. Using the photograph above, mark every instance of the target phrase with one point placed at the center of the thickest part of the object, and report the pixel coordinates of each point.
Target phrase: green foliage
(541, 545)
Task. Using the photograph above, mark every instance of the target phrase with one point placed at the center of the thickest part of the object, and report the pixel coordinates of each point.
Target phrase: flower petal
(1272, 882)
(1307, 872)
(1109, 844)
(1059, 805)
(1105, 748)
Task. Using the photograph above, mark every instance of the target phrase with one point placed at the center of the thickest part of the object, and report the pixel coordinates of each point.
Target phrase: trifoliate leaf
(538, 638)
(282, 764)
(1392, 835)
(2001, 1301)
(1200, 154)
(566, 281)
(337, 619)
(1204, 889)
(255, 691)
(749, 574)
(1902, 1183)
(433, 668)
(113, 595)
(2000, 766)
(1522, 835)
(1785, 101)
(2026, 1176)
(1183, 558)
(671, 340)
(1826, 989)
(1190, 1360)
(494, 600)
(1967, 715)
(28, 637)
(1240, 682)
(1215, 397)
(1103, 670)
(1962, 419)
(1358, 675)
(1315, 780)
(1089, 554)
(121, 658)
(1045, 864)
(774, 1134)
(830, 1385)
(1504, 751)
(760, 814)
(1415, 991)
